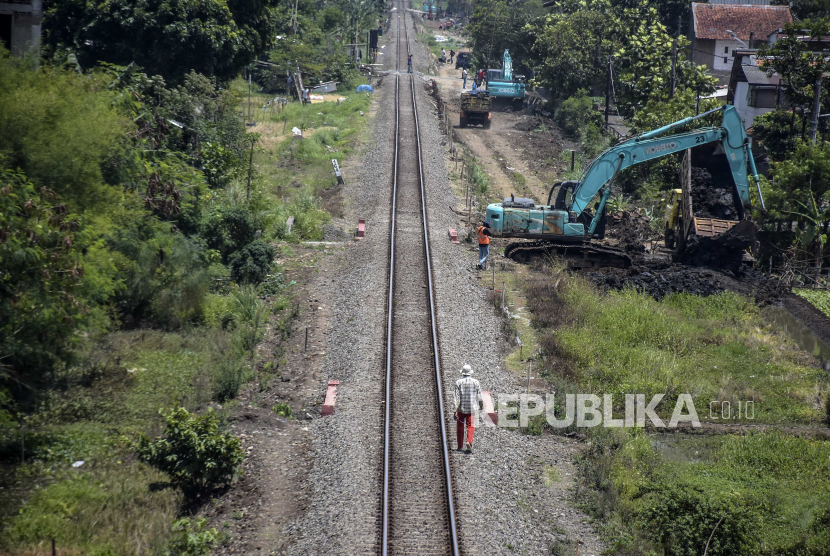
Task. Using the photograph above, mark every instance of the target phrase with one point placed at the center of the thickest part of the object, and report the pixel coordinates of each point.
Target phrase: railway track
(418, 515)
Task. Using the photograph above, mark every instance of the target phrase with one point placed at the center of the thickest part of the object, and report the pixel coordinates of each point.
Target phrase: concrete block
(331, 398)
(492, 416)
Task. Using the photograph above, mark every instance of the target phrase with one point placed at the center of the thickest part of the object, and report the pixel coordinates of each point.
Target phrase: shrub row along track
(418, 512)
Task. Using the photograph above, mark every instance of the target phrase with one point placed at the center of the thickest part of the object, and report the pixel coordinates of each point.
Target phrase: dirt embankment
(808, 315)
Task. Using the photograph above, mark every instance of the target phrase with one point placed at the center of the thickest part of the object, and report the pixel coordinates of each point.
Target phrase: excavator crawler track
(577, 255)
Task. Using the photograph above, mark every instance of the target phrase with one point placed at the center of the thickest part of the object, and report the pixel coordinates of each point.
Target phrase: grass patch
(110, 511)
(478, 177)
(765, 493)
(111, 504)
(770, 492)
(714, 348)
(820, 299)
(330, 130)
(518, 180)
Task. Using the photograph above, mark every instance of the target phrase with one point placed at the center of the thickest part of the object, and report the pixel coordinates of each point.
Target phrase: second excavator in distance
(565, 226)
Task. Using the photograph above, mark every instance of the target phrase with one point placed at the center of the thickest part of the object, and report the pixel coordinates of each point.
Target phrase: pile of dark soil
(704, 251)
(631, 230)
(661, 279)
(528, 123)
(712, 198)
(658, 281)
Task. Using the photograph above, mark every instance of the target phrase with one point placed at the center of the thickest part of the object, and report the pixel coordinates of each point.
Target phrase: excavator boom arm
(652, 145)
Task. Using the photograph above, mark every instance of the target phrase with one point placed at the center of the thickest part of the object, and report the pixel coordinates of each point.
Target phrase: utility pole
(608, 91)
(673, 67)
(294, 17)
(674, 61)
(816, 107)
(250, 167)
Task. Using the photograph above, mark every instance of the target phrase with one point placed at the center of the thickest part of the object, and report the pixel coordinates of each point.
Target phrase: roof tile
(711, 21)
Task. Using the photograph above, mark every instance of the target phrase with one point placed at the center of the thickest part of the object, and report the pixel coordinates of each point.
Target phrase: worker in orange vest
(483, 244)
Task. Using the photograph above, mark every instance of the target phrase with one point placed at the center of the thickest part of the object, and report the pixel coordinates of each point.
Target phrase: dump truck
(475, 108)
(683, 228)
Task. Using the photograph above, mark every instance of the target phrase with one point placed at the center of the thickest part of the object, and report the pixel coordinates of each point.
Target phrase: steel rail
(390, 316)
(390, 307)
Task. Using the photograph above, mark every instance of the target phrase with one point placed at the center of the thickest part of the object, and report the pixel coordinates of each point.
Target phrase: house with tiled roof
(718, 30)
(751, 90)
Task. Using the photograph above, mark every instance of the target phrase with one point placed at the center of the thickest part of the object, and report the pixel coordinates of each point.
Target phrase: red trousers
(462, 419)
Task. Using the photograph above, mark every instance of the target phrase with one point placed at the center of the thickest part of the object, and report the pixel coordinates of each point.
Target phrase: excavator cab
(562, 194)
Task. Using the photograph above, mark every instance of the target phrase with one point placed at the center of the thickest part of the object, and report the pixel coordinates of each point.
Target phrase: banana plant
(815, 217)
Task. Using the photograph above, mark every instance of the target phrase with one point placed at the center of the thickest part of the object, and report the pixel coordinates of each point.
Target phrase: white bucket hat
(466, 370)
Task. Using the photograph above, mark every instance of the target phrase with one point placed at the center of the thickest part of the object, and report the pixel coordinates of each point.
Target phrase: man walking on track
(410, 64)
(468, 399)
(483, 244)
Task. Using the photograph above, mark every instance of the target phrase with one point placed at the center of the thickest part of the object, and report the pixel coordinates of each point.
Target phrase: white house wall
(741, 102)
(720, 54)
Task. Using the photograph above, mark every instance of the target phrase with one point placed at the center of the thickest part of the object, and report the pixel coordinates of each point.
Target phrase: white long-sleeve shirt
(467, 394)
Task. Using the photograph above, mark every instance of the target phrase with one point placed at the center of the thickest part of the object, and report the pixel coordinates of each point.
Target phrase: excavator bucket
(727, 233)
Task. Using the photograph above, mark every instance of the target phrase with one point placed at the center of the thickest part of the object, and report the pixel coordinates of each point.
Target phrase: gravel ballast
(507, 498)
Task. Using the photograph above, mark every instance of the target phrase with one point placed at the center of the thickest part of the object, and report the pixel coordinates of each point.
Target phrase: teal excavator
(565, 226)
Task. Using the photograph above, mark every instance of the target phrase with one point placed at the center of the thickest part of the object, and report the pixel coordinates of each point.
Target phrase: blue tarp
(365, 89)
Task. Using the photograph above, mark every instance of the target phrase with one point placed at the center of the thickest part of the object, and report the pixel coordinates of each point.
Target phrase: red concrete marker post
(361, 228)
(331, 397)
(492, 416)
(453, 236)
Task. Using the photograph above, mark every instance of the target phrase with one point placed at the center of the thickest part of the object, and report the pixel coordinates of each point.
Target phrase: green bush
(194, 451)
(282, 409)
(577, 113)
(61, 129)
(217, 311)
(54, 276)
(229, 229)
(250, 316)
(680, 519)
(592, 140)
(250, 265)
(308, 217)
(191, 538)
(228, 375)
(164, 274)
(106, 512)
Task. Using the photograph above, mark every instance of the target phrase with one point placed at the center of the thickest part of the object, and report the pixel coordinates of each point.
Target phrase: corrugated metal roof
(711, 21)
(756, 76)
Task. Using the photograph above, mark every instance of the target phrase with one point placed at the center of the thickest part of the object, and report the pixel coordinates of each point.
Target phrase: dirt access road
(521, 152)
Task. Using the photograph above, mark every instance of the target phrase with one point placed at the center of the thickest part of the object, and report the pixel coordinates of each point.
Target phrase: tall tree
(644, 57)
(794, 60)
(571, 52)
(165, 37)
(499, 25)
